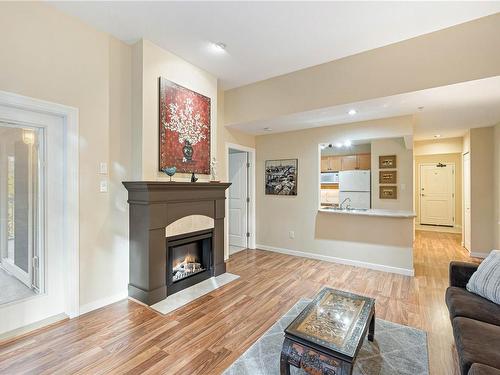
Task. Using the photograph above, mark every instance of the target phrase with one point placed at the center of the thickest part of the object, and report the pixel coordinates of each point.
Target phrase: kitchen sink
(345, 209)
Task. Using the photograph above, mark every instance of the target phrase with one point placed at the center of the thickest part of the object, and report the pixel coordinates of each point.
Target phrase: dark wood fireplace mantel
(153, 206)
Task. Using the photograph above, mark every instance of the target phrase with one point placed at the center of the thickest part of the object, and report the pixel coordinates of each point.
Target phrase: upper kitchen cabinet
(349, 162)
(364, 161)
(330, 164)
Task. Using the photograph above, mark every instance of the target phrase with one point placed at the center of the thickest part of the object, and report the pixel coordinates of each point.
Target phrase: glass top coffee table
(326, 336)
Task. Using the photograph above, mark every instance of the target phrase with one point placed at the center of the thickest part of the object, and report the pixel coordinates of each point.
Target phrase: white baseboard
(32, 327)
(102, 302)
(477, 254)
(349, 262)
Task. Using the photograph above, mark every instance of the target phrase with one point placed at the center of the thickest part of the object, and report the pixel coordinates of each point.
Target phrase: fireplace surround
(153, 205)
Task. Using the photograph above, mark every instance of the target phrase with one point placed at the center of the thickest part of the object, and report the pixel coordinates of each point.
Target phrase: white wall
(438, 146)
(355, 239)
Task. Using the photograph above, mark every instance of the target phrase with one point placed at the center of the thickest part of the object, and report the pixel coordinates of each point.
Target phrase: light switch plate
(103, 186)
(103, 167)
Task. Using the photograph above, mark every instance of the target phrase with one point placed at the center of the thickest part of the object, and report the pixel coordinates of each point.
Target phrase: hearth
(189, 259)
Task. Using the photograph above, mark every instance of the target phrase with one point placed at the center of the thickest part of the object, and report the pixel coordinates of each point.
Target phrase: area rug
(396, 350)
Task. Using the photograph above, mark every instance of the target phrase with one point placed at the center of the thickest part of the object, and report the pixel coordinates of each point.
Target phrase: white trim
(32, 327)
(71, 239)
(252, 228)
(349, 262)
(94, 305)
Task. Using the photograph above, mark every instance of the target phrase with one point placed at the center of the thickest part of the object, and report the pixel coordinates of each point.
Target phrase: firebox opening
(187, 261)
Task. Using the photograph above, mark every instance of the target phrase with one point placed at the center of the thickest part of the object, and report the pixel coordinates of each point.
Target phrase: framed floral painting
(184, 129)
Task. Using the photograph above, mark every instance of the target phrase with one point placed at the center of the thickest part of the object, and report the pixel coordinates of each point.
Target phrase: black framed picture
(281, 177)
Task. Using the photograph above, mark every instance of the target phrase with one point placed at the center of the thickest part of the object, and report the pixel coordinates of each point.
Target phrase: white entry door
(466, 184)
(437, 194)
(238, 205)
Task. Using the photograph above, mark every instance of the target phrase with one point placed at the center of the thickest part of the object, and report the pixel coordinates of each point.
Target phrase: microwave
(329, 178)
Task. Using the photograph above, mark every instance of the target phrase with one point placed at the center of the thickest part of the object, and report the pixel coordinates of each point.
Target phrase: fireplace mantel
(153, 206)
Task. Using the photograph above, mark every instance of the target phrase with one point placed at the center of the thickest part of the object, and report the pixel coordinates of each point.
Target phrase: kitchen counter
(377, 212)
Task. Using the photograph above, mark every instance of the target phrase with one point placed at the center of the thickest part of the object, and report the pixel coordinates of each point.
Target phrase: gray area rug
(396, 349)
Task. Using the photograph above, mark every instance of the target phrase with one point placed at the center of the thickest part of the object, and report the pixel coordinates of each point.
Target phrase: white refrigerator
(355, 185)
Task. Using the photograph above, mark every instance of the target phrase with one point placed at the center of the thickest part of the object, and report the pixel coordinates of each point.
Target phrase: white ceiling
(448, 111)
(266, 39)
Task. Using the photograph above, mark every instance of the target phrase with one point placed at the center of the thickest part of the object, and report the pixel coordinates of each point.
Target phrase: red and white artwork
(184, 129)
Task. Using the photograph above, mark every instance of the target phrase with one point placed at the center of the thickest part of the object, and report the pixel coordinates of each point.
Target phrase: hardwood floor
(209, 334)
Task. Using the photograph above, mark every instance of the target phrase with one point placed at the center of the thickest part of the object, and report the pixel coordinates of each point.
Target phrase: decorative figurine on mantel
(193, 177)
(169, 171)
(213, 170)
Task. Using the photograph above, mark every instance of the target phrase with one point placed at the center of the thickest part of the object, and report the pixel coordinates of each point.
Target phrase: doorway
(467, 200)
(437, 194)
(38, 212)
(241, 204)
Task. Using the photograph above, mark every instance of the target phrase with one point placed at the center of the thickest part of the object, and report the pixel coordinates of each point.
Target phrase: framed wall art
(387, 161)
(184, 136)
(281, 177)
(387, 177)
(388, 192)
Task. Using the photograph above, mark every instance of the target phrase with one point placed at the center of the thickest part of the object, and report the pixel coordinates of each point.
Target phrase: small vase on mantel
(169, 171)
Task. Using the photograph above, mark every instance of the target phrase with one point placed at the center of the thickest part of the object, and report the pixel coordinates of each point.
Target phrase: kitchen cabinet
(349, 162)
(345, 163)
(330, 163)
(364, 161)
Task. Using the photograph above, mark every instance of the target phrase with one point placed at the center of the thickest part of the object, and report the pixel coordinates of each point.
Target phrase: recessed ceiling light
(437, 136)
(347, 143)
(352, 112)
(420, 108)
(268, 129)
(218, 47)
(322, 146)
(338, 145)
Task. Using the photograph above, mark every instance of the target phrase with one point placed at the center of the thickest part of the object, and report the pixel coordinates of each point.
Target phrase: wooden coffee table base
(314, 362)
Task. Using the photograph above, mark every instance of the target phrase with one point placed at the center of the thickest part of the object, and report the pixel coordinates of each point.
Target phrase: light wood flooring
(209, 334)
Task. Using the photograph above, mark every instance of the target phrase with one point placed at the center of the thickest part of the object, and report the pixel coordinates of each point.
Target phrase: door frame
(71, 244)
(464, 227)
(251, 194)
(453, 202)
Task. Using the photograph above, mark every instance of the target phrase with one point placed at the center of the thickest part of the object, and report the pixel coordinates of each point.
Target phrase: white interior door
(238, 205)
(466, 189)
(437, 194)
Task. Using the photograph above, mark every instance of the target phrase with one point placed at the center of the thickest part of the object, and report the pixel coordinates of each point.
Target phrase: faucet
(348, 205)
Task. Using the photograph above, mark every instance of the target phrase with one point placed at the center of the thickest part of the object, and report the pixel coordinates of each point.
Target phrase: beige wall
(496, 176)
(432, 60)
(359, 239)
(55, 57)
(51, 56)
(150, 63)
(225, 136)
(482, 189)
(438, 146)
(444, 158)
(404, 164)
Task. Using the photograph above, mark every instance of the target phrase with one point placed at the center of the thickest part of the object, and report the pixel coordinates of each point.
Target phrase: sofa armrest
(460, 273)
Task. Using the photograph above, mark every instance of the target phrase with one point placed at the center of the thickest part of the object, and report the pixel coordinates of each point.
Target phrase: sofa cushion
(469, 305)
(479, 369)
(477, 342)
(486, 280)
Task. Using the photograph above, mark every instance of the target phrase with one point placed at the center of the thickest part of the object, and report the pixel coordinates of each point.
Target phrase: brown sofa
(476, 324)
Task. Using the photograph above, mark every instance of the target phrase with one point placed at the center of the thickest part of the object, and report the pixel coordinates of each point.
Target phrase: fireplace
(153, 207)
(189, 259)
